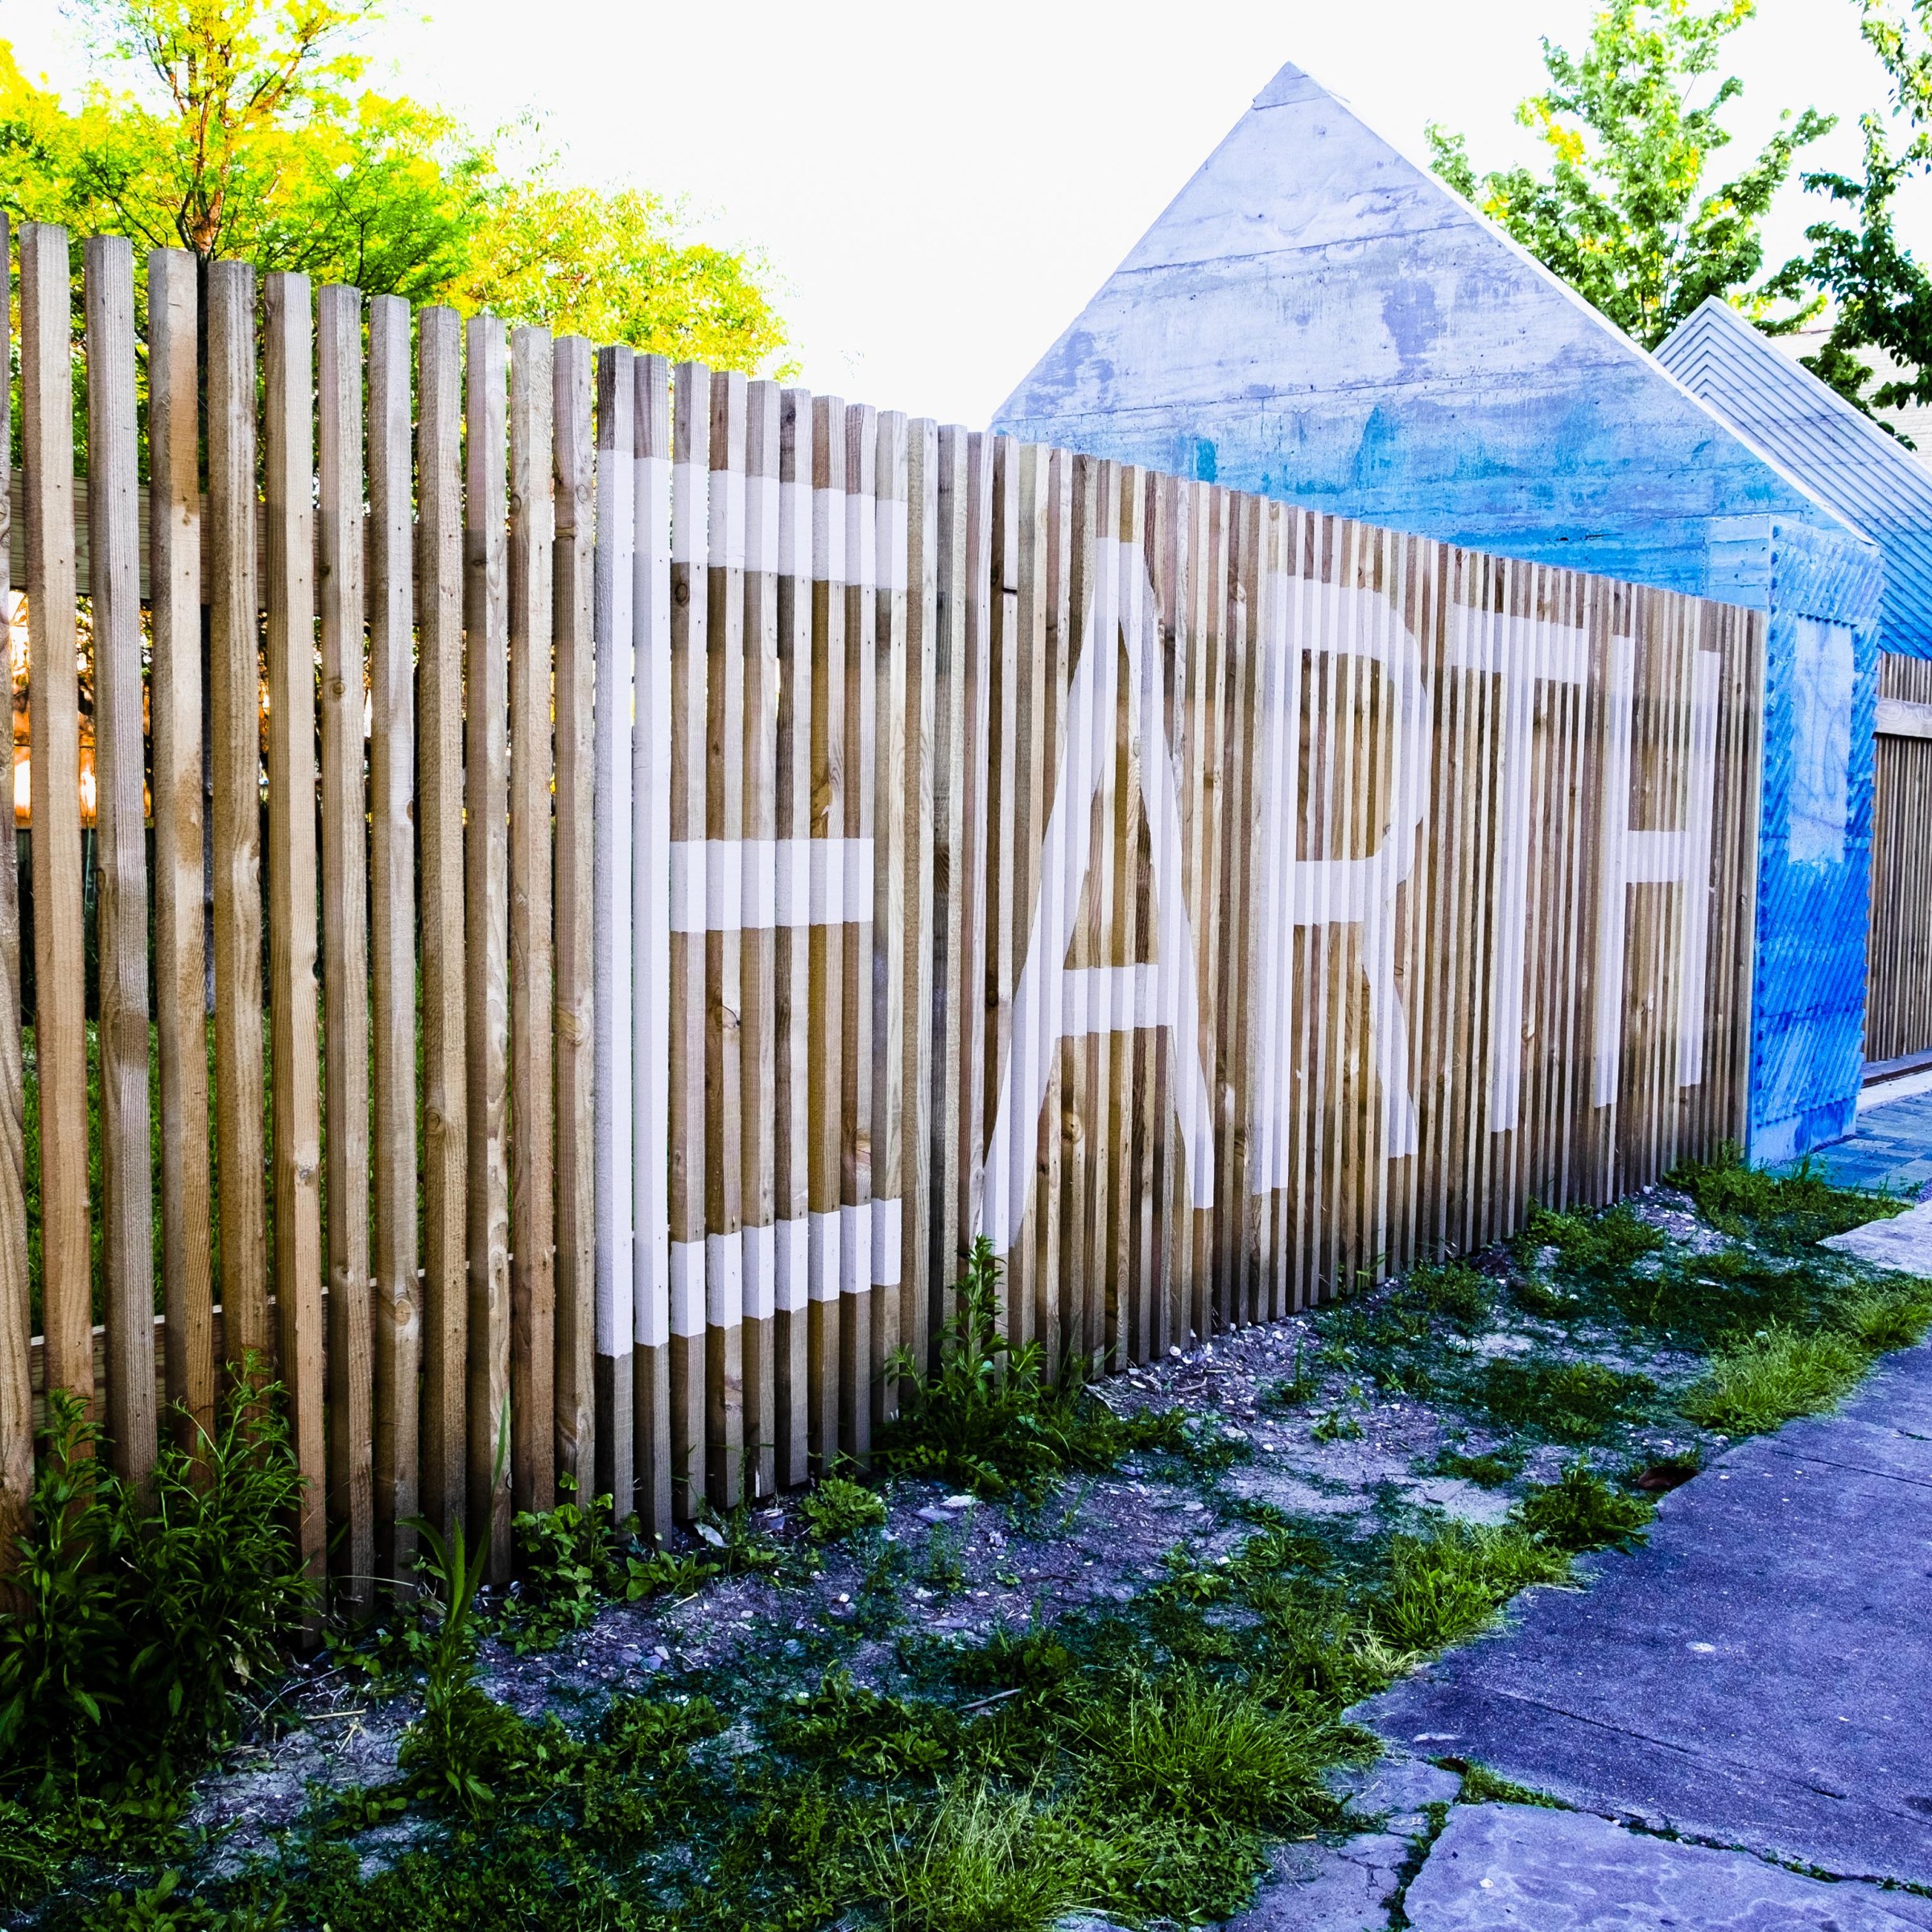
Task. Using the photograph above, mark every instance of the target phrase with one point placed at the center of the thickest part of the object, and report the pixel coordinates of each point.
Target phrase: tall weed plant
(990, 1420)
(145, 1618)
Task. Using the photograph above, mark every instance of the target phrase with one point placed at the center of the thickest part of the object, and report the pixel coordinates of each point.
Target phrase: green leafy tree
(242, 129)
(1627, 214)
(615, 267)
(1880, 298)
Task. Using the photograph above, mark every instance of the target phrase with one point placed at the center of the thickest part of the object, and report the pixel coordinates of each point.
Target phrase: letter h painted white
(1675, 856)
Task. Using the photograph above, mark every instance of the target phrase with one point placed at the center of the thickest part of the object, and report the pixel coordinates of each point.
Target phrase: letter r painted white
(1361, 891)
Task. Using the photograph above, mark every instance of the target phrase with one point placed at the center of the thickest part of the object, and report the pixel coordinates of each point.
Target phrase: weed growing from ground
(1580, 1511)
(1447, 1585)
(1884, 1315)
(1482, 1786)
(944, 1570)
(989, 1421)
(1594, 1245)
(1451, 1289)
(1790, 1212)
(157, 1611)
(986, 1860)
(1762, 1381)
(1189, 1746)
(1302, 1384)
(1490, 1471)
(837, 1507)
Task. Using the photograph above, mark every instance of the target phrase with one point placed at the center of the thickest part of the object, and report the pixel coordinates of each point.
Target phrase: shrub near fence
(760, 843)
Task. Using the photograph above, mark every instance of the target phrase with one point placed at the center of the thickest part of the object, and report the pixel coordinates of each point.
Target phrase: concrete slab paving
(1904, 1242)
(1891, 1147)
(1756, 1676)
(1521, 1868)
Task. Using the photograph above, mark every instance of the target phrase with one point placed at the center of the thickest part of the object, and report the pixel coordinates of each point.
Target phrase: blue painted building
(1316, 318)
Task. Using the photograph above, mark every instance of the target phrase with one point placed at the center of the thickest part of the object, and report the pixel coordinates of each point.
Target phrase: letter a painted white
(1103, 998)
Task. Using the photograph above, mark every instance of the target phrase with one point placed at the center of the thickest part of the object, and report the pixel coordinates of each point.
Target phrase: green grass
(1762, 1381)
(1580, 1511)
(992, 1420)
(1596, 1245)
(1489, 1470)
(986, 1860)
(1448, 1585)
(1789, 1211)
(1132, 1759)
(1572, 1401)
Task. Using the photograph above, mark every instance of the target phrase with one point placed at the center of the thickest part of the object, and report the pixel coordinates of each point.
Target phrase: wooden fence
(1898, 991)
(759, 843)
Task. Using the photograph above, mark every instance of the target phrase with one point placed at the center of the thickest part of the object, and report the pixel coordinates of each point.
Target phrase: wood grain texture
(486, 950)
(573, 656)
(791, 958)
(689, 1152)
(174, 696)
(759, 991)
(533, 1232)
(289, 474)
(723, 944)
(16, 1318)
(440, 916)
(120, 849)
(612, 927)
(920, 1029)
(858, 1147)
(828, 1006)
(341, 594)
(47, 439)
(235, 766)
(652, 741)
(397, 1316)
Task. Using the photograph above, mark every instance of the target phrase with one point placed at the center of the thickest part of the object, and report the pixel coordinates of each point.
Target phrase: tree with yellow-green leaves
(242, 129)
(1632, 213)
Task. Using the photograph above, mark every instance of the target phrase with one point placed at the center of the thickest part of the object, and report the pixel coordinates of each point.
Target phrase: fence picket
(16, 1288)
(235, 763)
(758, 966)
(574, 650)
(127, 1174)
(439, 842)
(486, 954)
(651, 910)
(829, 776)
(533, 1231)
(611, 927)
(397, 1317)
(289, 472)
(791, 965)
(345, 806)
(726, 908)
(174, 694)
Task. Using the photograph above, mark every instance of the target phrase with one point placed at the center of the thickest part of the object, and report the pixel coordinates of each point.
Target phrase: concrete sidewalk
(1757, 1675)
(1891, 1147)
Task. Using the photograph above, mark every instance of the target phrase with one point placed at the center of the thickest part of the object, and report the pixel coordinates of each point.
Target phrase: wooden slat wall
(805, 839)
(1898, 992)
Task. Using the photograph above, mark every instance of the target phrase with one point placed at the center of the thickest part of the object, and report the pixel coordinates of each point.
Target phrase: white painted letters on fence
(1104, 999)
(1295, 892)
(1668, 855)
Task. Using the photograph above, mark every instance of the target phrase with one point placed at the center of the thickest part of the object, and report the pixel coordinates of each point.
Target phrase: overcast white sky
(940, 190)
